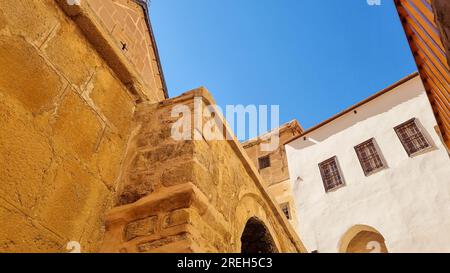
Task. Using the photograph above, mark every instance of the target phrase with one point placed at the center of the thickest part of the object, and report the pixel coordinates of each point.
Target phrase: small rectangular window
(412, 137)
(369, 157)
(264, 162)
(331, 174)
(286, 210)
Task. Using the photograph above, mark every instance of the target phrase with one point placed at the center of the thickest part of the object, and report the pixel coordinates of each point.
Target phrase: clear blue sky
(313, 58)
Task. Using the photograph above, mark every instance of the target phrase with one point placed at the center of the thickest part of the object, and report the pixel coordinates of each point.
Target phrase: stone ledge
(148, 217)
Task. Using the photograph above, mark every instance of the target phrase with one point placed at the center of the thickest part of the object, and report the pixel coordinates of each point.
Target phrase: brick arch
(362, 239)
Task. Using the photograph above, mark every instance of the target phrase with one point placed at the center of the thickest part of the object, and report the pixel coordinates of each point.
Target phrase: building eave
(293, 125)
(427, 27)
(356, 106)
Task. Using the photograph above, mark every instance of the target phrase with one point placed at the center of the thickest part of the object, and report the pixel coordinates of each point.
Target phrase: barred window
(331, 175)
(369, 157)
(411, 137)
(264, 162)
(286, 210)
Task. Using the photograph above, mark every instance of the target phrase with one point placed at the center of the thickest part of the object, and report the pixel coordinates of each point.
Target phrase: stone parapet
(190, 195)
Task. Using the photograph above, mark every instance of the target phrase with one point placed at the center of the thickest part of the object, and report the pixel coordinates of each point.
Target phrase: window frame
(421, 130)
(341, 174)
(288, 207)
(379, 153)
(267, 157)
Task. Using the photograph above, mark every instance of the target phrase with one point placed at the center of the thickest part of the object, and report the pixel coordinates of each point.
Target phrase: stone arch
(256, 238)
(362, 239)
(252, 206)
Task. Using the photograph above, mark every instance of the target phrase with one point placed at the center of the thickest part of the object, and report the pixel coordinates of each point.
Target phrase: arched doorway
(256, 238)
(363, 239)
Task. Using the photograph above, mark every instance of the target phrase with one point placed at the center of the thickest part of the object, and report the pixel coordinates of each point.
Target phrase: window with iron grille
(331, 175)
(369, 157)
(264, 162)
(411, 137)
(286, 210)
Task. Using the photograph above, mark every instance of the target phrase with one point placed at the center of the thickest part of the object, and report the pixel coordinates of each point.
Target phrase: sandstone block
(77, 128)
(21, 233)
(112, 99)
(109, 156)
(146, 160)
(176, 218)
(154, 245)
(19, 78)
(154, 138)
(25, 155)
(32, 19)
(143, 227)
(138, 186)
(3, 22)
(72, 55)
(76, 204)
(178, 175)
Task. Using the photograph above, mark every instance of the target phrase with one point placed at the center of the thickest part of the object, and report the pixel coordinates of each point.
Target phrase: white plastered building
(375, 177)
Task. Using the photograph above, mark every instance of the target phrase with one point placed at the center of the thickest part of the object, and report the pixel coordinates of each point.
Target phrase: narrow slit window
(331, 174)
(286, 210)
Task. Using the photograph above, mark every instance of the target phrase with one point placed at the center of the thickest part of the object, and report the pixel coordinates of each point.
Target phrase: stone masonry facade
(85, 147)
(276, 174)
(190, 195)
(64, 119)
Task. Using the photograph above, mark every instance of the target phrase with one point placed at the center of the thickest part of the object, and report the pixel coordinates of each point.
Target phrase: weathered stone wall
(278, 170)
(68, 91)
(189, 196)
(276, 176)
(125, 20)
(64, 128)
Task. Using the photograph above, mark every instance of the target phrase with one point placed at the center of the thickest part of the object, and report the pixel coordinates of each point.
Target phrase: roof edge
(144, 5)
(293, 125)
(357, 105)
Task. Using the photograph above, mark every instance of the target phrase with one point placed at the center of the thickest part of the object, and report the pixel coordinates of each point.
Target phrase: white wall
(408, 203)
